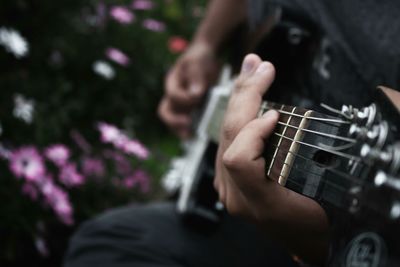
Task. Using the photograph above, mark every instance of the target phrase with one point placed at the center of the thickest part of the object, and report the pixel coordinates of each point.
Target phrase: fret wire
(311, 118)
(344, 155)
(338, 187)
(320, 133)
(344, 175)
(280, 141)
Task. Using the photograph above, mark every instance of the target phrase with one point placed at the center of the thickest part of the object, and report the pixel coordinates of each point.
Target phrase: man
(355, 51)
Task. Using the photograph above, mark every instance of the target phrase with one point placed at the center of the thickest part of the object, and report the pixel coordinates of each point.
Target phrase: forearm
(221, 18)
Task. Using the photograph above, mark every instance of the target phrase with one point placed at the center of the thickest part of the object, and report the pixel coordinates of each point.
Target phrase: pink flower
(117, 56)
(134, 147)
(27, 162)
(140, 178)
(70, 176)
(109, 133)
(154, 25)
(57, 199)
(142, 4)
(93, 167)
(30, 190)
(59, 154)
(122, 14)
(177, 44)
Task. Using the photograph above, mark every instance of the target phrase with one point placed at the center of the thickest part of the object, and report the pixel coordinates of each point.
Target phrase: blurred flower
(69, 175)
(154, 25)
(58, 154)
(13, 42)
(140, 178)
(177, 44)
(93, 167)
(122, 14)
(117, 56)
(30, 190)
(1, 129)
(27, 162)
(23, 108)
(109, 133)
(142, 4)
(58, 200)
(41, 246)
(104, 69)
(4, 152)
(80, 141)
(134, 147)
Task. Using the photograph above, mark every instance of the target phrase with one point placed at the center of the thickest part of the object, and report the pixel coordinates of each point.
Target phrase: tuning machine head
(374, 135)
(365, 116)
(389, 158)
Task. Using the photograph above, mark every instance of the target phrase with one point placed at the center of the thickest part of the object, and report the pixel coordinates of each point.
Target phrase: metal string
(337, 153)
(338, 187)
(309, 118)
(319, 133)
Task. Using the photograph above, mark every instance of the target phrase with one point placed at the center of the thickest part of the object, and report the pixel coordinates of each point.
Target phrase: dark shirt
(358, 47)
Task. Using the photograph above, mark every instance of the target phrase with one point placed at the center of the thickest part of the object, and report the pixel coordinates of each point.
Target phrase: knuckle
(231, 160)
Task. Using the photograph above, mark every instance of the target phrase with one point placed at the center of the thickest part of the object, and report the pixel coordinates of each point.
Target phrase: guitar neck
(298, 153)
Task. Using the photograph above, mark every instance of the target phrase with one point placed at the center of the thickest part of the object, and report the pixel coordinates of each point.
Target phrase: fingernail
(270, 113)
(248, 65)
(263, 67)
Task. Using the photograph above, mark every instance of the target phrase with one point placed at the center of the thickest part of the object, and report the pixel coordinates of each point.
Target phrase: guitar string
(305, 117)
(337, 153)
(338, 187)
(346, 139)
(344, 175)
(354, 179)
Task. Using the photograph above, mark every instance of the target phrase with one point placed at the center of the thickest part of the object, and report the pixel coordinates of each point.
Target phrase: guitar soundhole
(325, 159)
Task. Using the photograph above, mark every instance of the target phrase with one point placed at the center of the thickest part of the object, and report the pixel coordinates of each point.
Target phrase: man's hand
(185, 86)
(297, 221)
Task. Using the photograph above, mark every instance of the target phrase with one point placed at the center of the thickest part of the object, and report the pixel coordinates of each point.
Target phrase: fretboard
(293, 151)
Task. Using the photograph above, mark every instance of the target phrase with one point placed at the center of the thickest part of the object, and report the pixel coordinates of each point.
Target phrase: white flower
(104, 69)
(13, 42)
(23, 108)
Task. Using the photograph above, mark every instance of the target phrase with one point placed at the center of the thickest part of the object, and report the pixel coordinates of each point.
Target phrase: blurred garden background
(80, 81)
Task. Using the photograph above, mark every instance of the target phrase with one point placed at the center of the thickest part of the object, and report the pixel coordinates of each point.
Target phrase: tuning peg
(365, 116)
(375, 135)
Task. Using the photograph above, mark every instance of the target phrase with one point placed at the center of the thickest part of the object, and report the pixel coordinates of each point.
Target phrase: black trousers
(154, 235)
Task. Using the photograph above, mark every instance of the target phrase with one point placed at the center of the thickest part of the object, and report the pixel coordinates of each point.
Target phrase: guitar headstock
(367, 221)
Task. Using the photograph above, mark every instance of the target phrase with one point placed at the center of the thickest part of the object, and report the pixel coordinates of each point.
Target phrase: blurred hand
(240, 168)
(185, 86)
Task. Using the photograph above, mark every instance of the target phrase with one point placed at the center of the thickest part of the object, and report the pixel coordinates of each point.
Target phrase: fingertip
(271, 115)
(249, 63)
(265, 67)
